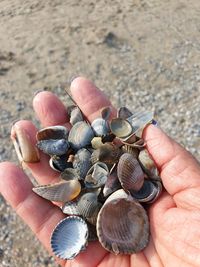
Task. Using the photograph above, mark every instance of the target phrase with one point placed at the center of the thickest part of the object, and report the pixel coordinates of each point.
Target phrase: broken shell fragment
(69, 237)
(130, 174)
(97, 175)
(53, 147)
(62, 192)
(52, 132)
(122, 225)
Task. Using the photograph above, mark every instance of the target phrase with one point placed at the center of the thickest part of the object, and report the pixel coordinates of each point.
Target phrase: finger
(40, 215)
(40, 170)
(89, 98)
(49, 109)
(178, 168)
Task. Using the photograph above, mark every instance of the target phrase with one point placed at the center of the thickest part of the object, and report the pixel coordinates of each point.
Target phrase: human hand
(174, 217)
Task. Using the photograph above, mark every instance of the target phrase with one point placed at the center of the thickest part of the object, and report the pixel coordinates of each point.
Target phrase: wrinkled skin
(174, 218)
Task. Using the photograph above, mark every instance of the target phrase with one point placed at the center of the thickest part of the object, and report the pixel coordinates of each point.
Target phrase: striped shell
(62, 191)
(87, 204)
(82, 162)
(80, 135)
(130, 173)
(69, 237)
(71, 208)
(53, 147)
(52, 132)
(122, 225)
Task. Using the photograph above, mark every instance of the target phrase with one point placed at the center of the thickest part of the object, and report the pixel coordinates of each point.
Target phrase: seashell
(69, 237)
(75, 114)
(122, 225)
(82, 162)
(62, 191)
(87, 204)
(130, 173)
(124, 113)
(92, 232)
(26, 151)
(147, 192)
(52, 132)
(107, 153)
(148, 164)
(53, 147)
(112, 183)
(139, 120)
(59, 163)
(127, 148)
(106, 113)
(97, 175)
(70, 174)
(71, 208)
(100, 127)
(120, 127)
(93, 219)
(80, 135)
(96, 142)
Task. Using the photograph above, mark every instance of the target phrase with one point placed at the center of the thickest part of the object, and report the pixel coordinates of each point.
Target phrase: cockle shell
(127, 148)
(69, 237)
(80, 135)
(82, 162)
(62, 192)
(100, 127)
(87, 204)
(52, 132)
(53, 147)
(97, 175)
(107, 153)
(130, 173)
(122, 225)
(112, 183)
(71, 208)
(120, 127)
(75, 114)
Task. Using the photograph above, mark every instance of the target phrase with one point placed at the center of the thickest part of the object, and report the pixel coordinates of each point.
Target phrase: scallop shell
(100, 127)
(63, 191)
(120, 127)
(97, 175)
(80, 135)
(107, 153)
(124, 113)
(130, 173)
(53, 147)
(82, 162)
(122, 225)
(75, 114)
(52, 132)
(69, 237)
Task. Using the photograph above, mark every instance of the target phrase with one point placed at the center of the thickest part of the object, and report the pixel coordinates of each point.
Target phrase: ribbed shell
(107, 153)
(130, 173)
(69, 237)
(71, 208)
(62, 191)
(87, 204)
(80, 135)
(52, 132)
(122, 226)
(82, 162)
(131, 150)
(53, 147)
(100, 127)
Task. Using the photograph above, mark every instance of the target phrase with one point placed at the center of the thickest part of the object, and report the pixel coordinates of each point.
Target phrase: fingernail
(26, 151)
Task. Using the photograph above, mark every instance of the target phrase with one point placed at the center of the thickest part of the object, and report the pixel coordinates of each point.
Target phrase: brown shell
(112, 184)
(61, 192)
(148, 164)
(126, 148)
(52, 132)
(122, 226)
(130, 173)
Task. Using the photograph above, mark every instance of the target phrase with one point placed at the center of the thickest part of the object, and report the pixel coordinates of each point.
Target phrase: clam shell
(59, 163)
(63, 191)
(53, 147)
(96, 142)
(97, 175)
(69, 237)
(106, 113)
(71, 208)
(130, 173)
(107, 153)
(93, 219)
(112, 183)
(52, 132)
(75, 114)
(120, 127)
(100, 127)
(124, 113)
(82, 162)
(87, 204)
(70, 174)
(122, 225)
(80, 135)
(148, 164)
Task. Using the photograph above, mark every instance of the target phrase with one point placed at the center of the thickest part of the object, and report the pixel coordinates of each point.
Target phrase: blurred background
(141, 53)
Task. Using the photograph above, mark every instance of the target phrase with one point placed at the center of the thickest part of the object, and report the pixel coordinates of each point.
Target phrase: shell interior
(120, 127)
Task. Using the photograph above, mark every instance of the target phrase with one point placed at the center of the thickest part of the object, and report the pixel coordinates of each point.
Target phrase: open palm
(174, 218)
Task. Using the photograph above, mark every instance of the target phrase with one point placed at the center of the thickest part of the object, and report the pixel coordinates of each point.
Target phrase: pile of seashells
(106, 175)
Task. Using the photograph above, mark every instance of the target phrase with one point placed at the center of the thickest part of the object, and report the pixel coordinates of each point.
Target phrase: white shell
(69, 237)
(100, 127)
